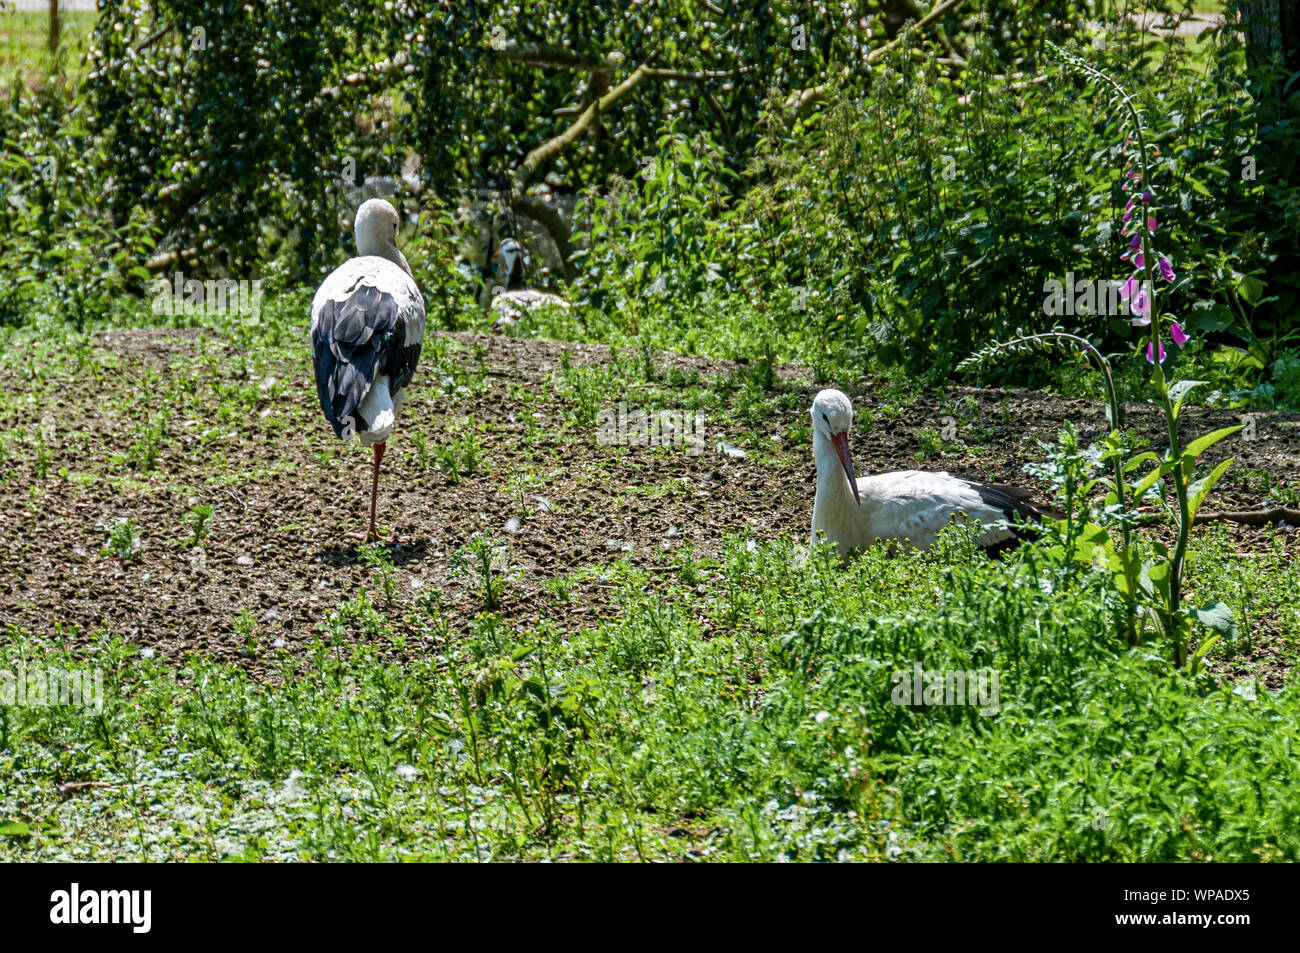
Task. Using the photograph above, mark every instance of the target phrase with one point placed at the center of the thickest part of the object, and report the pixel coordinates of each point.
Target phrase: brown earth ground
(276, 547)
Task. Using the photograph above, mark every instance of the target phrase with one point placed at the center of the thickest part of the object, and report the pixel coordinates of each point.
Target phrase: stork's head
(832, 416)
(512, 260)
(376, 231)
(376, 222)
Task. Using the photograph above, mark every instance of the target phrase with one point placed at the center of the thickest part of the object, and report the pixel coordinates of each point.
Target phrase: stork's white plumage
(856, 512)
(516, 300)
(367, 325)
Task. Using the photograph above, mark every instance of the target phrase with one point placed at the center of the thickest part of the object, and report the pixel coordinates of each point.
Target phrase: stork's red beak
(840, 441)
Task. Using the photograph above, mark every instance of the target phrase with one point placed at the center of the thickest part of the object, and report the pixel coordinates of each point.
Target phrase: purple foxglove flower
(1136, 242)
(1141, 305)
(1139, 260)
(1134, 174)
(1128, 214)
(1166, 269)
(1151, 224)
(1146, 197)
(1150, 359)
(1178, 334)
(1127, 288)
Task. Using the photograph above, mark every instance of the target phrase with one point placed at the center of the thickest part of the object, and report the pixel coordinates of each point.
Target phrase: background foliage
(908, 212)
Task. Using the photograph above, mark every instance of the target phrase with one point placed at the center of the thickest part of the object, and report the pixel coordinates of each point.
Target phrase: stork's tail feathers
(1011, 500)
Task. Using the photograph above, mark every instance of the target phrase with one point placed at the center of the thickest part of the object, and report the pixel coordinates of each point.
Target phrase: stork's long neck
(369, 245)
(515, 279)
(836, 514)
(832, 482)
(391, 252)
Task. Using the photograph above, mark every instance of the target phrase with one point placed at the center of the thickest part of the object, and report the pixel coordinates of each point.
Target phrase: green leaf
(1199, 490)
(1179, 391)
(1220, 618)
(1209, 316)
(1122, 562)
(1237, 358)
(14, 829)
(1194, 663)
(440, 723)
(1250, 288)
(1093, 533)
(1148, 481)
(1137, 461)
(1201, 444)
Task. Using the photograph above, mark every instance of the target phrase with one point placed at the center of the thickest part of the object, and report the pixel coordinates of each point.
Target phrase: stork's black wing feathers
(354, 341)
(1010, 500)
(1013, 502)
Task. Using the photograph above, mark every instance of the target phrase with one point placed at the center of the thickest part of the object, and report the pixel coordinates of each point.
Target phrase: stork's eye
(825, 418)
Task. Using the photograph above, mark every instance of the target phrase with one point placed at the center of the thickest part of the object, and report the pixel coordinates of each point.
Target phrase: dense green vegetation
(715, 213)
(739, 710)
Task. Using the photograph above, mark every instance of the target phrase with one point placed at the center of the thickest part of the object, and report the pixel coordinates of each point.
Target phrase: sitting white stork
(516, 300)
(856, 512)
(367, 325)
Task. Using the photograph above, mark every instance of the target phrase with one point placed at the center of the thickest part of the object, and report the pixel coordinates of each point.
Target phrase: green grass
(123, 540)
(24, 44)
(460, 456)
(741, 709)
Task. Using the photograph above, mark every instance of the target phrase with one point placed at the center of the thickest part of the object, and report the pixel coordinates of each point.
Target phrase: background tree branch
(801, 99)
(527, 170)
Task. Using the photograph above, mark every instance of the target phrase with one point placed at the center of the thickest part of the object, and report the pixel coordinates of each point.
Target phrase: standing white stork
(516, 300)
(367, 325)
(855, 512)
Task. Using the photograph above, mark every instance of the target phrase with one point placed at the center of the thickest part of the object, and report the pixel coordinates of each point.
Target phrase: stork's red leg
(374, 490)
(373, 535)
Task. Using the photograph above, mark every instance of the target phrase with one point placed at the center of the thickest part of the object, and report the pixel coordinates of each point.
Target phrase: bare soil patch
(284, 491)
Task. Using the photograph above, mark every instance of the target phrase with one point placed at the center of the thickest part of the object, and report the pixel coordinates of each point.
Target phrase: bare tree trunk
(1272, 25)
(1289, 27)
(56, 26)
(1272, 29)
